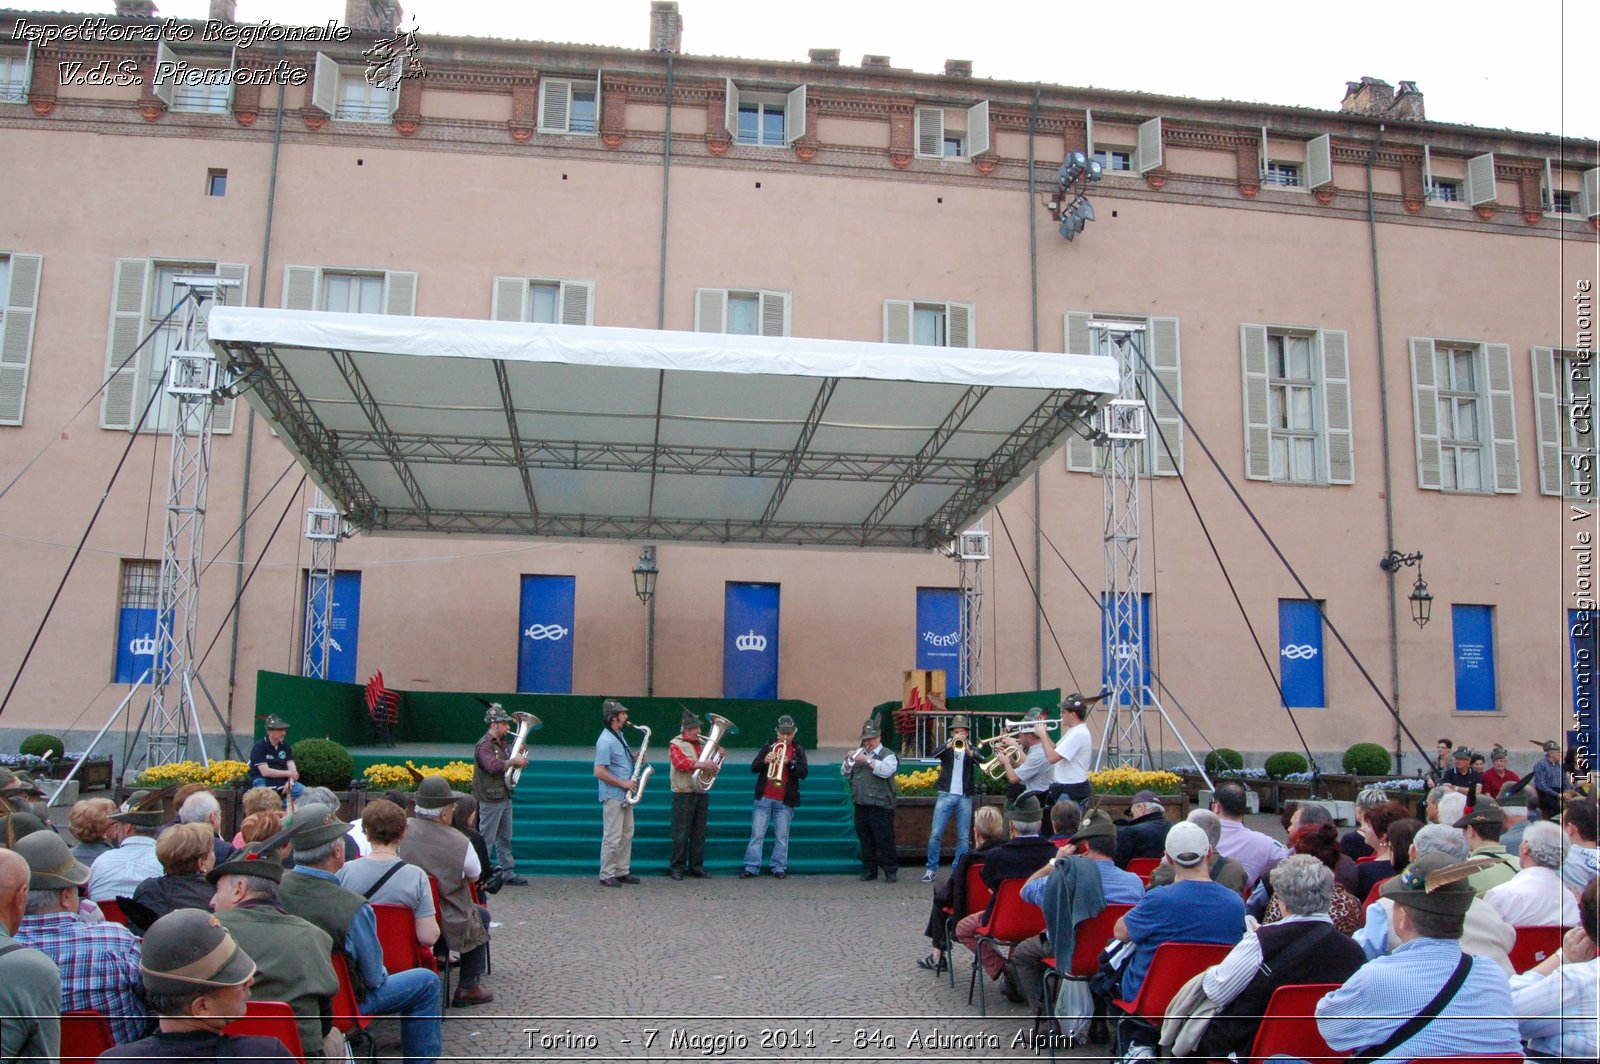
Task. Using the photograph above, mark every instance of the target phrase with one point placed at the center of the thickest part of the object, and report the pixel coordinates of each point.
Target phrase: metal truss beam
(346, 364)
(802, 445)
(935, 442)
(518, 454)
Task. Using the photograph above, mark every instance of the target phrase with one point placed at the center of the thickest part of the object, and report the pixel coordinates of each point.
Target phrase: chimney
(825, 56)
(372, 16)
(875, 62)
(222, 10)
(1408, 102)
(136, 8)
(958, 68)
(1369, 96)
(666, 28)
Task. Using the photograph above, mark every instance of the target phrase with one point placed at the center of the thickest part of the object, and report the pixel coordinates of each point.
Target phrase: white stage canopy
(435, 425)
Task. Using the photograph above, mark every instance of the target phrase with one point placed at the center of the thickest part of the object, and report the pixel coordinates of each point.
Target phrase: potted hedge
(1289, 771)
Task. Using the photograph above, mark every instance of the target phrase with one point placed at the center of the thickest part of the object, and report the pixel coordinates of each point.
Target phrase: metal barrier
(922, 733)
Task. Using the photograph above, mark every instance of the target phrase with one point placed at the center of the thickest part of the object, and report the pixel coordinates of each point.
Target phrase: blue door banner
(544, 634)
(1121, 650)
(344, 624)
(1581, 636)
(1300, 669)
(939, 635)
(1474, 640)
(136, 643)
(750, 641)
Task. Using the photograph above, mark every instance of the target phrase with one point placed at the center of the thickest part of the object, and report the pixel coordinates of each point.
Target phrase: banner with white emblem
(1300, 668)
(544, 634)
(939, 634)
(750, 641)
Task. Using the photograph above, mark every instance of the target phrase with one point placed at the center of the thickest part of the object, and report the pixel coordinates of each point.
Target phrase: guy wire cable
(251, 575)
(1232, 488)
(252, 512)
(1040, 605)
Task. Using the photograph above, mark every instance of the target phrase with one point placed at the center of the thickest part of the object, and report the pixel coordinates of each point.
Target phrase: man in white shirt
(956, 783)
(1070, 758)
(1535, 896)
(116, 874)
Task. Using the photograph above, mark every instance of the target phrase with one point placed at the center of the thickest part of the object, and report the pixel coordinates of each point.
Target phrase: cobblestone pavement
(807, 968)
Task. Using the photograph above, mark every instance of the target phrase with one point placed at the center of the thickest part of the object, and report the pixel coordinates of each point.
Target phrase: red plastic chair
(1372, 897)
(270, 1019)
(85, 1034)
(397, 934)
(1010, 920)
(1143, 866)
(1368, 858)
(347, 1010)
(1174, 964)
(1289, 1025)
(978, 895)
(113, 912)
(1088, 939)
(1534, 943)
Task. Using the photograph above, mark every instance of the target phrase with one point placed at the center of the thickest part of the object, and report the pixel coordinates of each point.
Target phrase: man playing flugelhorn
(779, 766)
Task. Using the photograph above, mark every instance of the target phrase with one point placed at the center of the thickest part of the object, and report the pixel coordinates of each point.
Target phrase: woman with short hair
(383, 878)
(90, 823)
(186, 855)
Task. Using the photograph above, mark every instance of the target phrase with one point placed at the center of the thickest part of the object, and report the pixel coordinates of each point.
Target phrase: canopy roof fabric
(432, 425)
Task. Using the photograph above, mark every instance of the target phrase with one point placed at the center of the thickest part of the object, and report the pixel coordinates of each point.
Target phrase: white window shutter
(794, 115)
(978, 128)
(1427, 172)
(577, 302)
(164, 91)
(1546, 412)
(1164, 412)
(1480, 179)
(599, 98)
(774, 313)
(123, 367)
(508, 300)
(325, 91)
(20, 304)
(222, 418)
(731, 110)
(1263, 154)
(1591, 193)
(930, 132)
(1088, 132)
(1257, 403)
(711, 310)
(1425, 412)
(1319, 161)
(1338, 434)
(392, 86)
(1502, 419)
(233, 70)
(897, 321)
(300, 287)
(555, 105)
(958, 330)
(1149, 150)
(1081, 457)
(399, 293)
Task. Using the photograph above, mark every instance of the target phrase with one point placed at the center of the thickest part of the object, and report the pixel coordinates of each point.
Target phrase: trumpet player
(1033, 774)
(689, 803)
(1070, 758)
(779, 766)
(955, 786)
(613, 767)
(871, 770)
(490, 760)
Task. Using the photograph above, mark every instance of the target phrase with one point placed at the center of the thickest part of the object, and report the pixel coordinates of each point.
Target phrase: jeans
(942, 806)
(494, 820)
(297, 790)
(413, 995)
(779, 814)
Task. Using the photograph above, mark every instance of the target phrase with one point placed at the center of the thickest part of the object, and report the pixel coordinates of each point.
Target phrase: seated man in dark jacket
(1144, 831)
(1018, 858)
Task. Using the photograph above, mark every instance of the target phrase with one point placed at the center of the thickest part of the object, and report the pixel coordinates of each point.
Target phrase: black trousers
(875, 830)
(1078, 792)
(689, 831)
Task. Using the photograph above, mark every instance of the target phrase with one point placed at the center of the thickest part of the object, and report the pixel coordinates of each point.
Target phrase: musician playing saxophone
(779, 766)
(490, 760)
(613, 767)
(955, 785)
(689, 803)
(871, 770)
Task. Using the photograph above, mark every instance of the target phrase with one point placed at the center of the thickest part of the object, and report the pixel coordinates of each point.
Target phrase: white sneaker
(1139, 1052)
(927, 877)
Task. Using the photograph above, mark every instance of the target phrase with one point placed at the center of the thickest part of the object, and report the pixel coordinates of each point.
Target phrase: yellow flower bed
(220, 774)
(396, 778)
(1125, 779)
(917, 784)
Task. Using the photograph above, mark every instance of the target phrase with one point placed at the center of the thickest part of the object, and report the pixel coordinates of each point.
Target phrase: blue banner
(750, 641)
(1120, 649)
(1300, 654)
(1581, 636)
(136, 643)
(1474, 639)
(544, 634)
(344, 624)
(939, 635)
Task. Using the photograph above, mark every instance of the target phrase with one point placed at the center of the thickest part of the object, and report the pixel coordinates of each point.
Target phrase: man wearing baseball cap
(197, 979)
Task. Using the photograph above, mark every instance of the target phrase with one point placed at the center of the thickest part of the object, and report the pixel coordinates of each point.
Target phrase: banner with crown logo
(544, 640)
(939, 633)
(136, 643)
(750, 641)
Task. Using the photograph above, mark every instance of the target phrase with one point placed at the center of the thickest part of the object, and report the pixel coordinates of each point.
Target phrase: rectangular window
(165, 295)
(761, 122)
(216, 182)
(344, 625)
(544, 634)
(939, 634)
(1285, 174)
(1473, 628)
(360, 101)
(1464, 413)
(741, 312)
(202, 99)
(567, 106)
(1461, 444)
(545, 305)
(767, 118)
(930, 322)
(1115, 160)
(951, 132)
(750, 640)
(137, 603)
(1444, 190)
(1563, 202)
(1159, 387)
(352, 293)
(1292, 388)
(954, 145)
(1300, 662)
(14, 74)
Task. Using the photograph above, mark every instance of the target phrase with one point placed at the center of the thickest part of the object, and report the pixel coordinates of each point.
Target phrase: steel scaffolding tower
(972, 550)
(323, 529)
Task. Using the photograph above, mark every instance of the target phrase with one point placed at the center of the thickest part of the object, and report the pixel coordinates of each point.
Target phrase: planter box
(913, 819)
(94, 776)
(66, 796)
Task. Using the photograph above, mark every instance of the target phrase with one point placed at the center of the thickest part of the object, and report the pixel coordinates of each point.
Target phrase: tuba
(641, 771)
(720, 726)
(526, 722)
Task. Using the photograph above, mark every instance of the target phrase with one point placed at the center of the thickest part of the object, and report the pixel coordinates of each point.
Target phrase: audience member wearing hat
(1431, 898)
(686, 755)
(1070, 758)
(186, 854)
(272, 760)
(197, 980)
(19, 825)
(491, 760)
(311, 891)
(1143, 833)
(1461, 776)
(1024, 853)
(871, 772)
(293, 956)
(1033, 774)
(1556, 1003)
(30, 984)
(1223, 870)
(955, 787)
(1482, 828)
(135, 825)
(613, 769)
(1498, 776)
(99, 962)
(434, 845)
(776, 799)
(1550, 780)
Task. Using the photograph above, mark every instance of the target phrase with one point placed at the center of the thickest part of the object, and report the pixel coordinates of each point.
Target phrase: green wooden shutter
(1546, 417)
(19, 306)
(1338, 432)
(1502, 420)
(1257, 402)
(128, 326)
(1081, 454)
(1425, 412)
(1165, 362)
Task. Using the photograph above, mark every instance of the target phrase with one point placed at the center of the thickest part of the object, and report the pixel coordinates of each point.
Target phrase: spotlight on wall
(1066, 202)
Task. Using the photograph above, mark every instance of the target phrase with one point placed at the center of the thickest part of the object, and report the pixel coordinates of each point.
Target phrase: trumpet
(1022, 726)
(958, 745)
(850, 759)
(776, 759)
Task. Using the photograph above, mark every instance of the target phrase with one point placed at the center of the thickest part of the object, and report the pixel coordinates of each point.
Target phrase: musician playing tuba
(687, 752)
(491, 759)
(614, 768)
(779, 766)
(956, 783)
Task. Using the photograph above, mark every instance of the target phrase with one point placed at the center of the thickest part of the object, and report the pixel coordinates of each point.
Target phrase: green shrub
(1367, 759)
(1281, 764)
(324, 763)
(41, 744)
(1223, 758)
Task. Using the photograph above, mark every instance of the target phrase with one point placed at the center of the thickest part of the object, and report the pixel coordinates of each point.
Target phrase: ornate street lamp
(1421, 599)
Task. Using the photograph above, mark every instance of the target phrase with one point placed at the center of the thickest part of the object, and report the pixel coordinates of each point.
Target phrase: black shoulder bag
(1429, 1013)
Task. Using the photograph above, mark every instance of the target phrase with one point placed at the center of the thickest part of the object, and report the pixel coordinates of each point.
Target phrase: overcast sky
(1526, 66)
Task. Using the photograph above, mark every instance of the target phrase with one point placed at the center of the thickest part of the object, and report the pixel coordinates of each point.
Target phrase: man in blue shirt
(1549, 780)
(613, 767)
(271, 760)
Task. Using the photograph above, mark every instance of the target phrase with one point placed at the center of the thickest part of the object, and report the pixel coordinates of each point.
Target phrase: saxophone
(641, 771)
